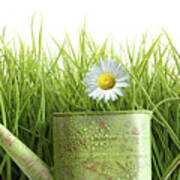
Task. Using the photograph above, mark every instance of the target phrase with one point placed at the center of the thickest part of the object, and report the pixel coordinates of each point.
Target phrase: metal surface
(102, 146)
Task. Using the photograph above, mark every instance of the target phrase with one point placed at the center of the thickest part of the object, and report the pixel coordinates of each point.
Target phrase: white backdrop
(123, 19)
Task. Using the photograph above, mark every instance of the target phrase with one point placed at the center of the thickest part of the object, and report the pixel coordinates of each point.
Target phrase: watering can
(90, 146)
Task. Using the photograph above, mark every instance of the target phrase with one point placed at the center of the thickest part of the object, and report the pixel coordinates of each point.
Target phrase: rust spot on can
(135, 132)
(92, 168)
(90, 165)
(30, 160)
(44, 173)
(101, 124)
(120, 166)
(8, 139)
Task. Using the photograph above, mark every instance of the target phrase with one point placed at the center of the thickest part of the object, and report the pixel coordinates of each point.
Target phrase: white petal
(122, 76)
(113, 95)
(87, 80)
(102, 66)
(121, 68)
(123, 84)
(118, 91)
(101, 96)
(91, 87)
(117, 70)
(90, 84)
(94, 94)
(98, 93)
(110, 66)
(114, 64)
(96, 70)
(107, 95)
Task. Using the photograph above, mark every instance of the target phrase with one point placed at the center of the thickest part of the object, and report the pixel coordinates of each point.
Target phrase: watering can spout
(28, 162)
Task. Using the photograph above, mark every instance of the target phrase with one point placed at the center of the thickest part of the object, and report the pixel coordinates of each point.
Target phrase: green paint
(102, 146)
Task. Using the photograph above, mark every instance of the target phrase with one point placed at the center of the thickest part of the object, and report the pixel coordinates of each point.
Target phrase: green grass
(33, 85)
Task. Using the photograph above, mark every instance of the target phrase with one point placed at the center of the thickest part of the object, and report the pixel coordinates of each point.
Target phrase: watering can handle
(27, 160)
(176, 162)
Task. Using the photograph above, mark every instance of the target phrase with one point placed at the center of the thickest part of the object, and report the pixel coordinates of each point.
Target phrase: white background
(122, 19)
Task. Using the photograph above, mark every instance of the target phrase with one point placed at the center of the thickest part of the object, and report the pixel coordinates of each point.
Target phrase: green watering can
(90, 146)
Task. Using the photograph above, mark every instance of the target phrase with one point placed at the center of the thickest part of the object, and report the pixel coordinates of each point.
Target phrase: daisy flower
(103, 82)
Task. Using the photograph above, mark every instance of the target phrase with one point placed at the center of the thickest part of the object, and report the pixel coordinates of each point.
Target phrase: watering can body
(102, 146)
(89, 146)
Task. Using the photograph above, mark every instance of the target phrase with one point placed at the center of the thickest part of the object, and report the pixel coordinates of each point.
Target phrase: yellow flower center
(106, 81)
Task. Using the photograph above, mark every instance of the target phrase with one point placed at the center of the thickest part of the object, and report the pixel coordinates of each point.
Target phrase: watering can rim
(63, 114)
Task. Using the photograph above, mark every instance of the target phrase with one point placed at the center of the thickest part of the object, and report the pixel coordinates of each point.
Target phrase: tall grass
(35, 82)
